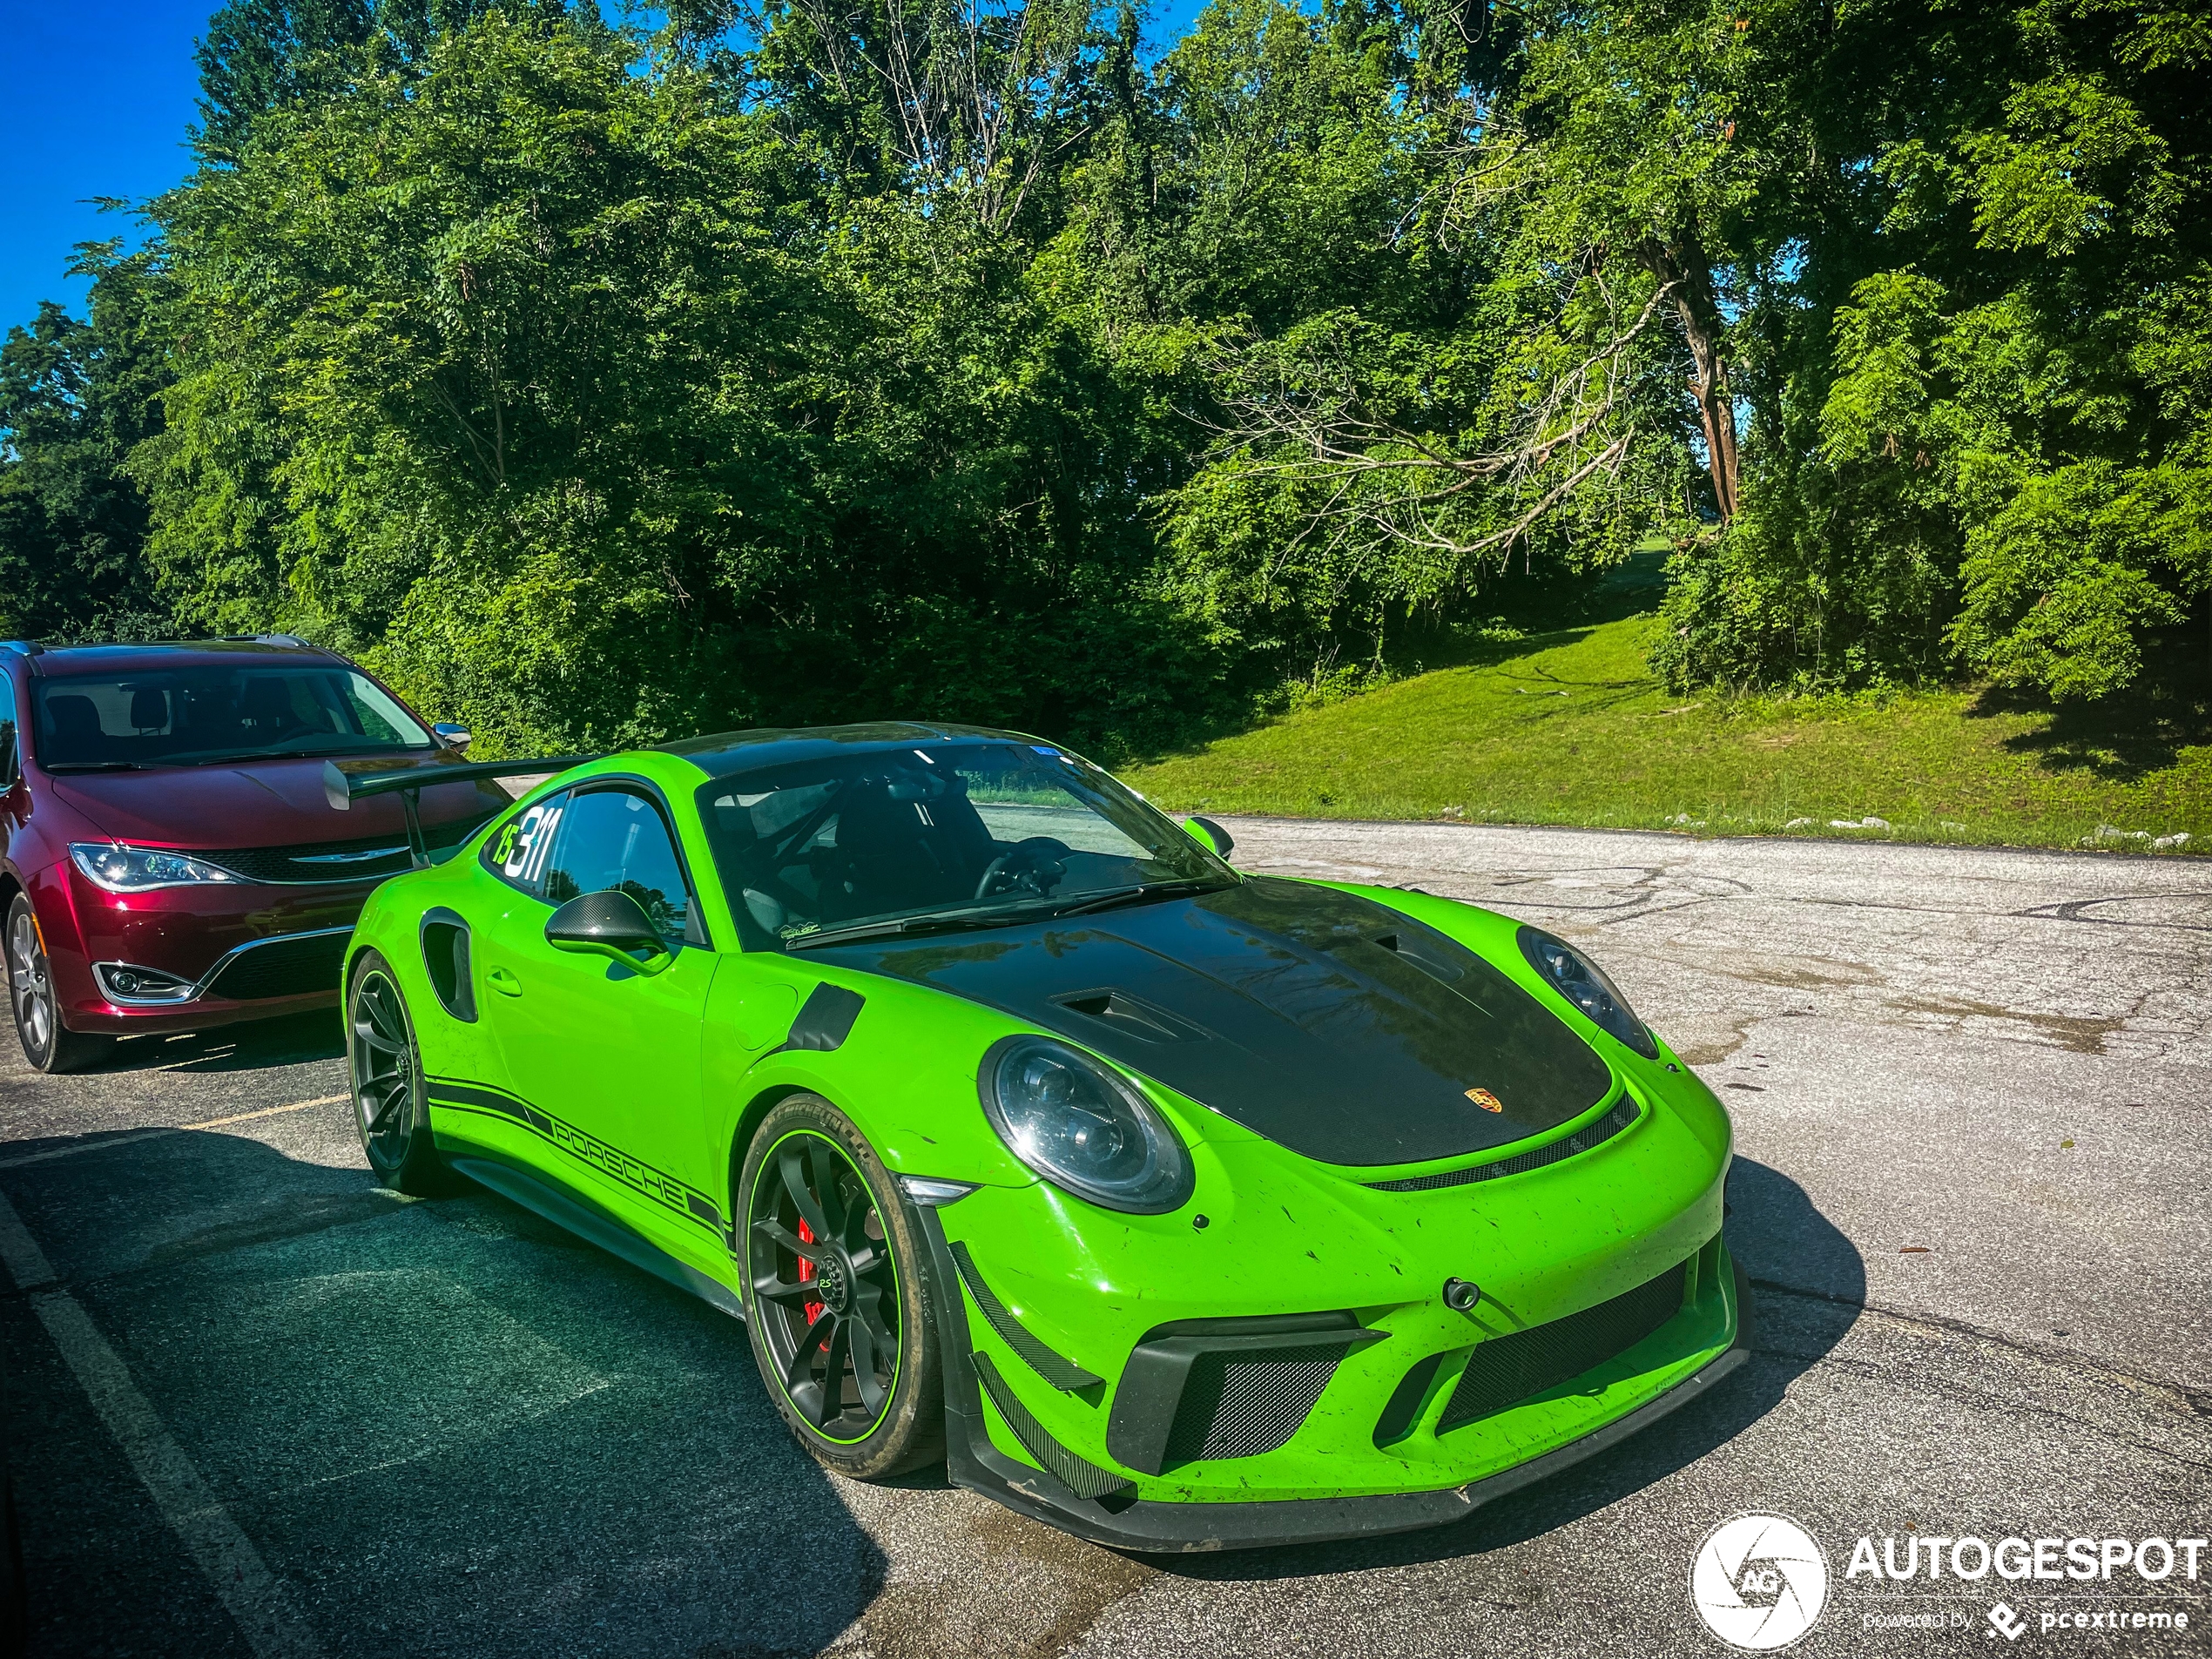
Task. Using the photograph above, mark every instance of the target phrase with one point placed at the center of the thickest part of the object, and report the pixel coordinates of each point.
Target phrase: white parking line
(241, 1580)
(148, 1134)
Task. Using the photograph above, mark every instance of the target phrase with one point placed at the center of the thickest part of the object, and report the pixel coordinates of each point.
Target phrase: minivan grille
(1505, 1370)
(283, 967)
(285, 864)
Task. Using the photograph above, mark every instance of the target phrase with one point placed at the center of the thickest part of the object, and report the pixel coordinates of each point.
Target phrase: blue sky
(98, 94)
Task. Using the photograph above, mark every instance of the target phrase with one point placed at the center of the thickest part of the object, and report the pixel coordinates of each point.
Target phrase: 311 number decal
(526, 843)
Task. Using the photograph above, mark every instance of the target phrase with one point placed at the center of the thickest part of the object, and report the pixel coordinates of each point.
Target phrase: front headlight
(1584, 984)
(134, 869)
(1082, 1127)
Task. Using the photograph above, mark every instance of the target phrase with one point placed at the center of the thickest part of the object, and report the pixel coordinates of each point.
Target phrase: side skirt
(565, 1208)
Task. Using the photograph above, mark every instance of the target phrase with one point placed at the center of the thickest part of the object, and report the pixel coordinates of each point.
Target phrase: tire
(384, 1070)
(47, 1043)
(808, 1175)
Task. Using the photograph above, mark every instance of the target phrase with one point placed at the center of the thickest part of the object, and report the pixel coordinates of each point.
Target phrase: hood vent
(1131, 1016)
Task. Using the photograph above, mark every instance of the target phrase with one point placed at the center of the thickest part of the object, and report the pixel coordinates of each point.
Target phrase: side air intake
(1225, 1388)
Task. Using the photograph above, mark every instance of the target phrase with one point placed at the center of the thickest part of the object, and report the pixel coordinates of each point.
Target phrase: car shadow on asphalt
(558, 1447)
(252, 1046)
(1809, 1286)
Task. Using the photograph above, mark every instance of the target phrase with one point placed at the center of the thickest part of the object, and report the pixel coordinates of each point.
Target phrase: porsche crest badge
(1485, 1099)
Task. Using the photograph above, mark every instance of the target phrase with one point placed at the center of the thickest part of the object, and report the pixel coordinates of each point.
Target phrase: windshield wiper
(1140, 892)
(948, 923)
(97, 765)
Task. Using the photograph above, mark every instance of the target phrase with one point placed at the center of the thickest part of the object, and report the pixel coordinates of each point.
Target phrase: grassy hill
(1571, 727)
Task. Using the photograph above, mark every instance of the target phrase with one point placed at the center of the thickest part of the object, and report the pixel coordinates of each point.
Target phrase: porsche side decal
(452, 1093)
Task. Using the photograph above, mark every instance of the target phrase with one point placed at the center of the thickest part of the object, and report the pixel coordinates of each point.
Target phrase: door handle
(502, 981)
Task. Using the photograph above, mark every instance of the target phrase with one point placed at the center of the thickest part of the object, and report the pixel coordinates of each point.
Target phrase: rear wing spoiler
(344, 782)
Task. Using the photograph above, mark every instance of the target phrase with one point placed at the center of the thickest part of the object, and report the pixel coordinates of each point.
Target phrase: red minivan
(169, 858)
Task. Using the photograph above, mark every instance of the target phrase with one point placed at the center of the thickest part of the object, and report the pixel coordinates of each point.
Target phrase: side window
(10, 744)
(517, 849)
(617, 838)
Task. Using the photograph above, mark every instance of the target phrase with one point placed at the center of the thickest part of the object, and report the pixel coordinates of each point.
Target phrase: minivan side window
(616, 838)
(11, 744)
(517, 851)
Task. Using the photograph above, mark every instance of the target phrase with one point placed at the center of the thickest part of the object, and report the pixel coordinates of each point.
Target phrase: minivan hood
(250, 803)
(1331, 1025)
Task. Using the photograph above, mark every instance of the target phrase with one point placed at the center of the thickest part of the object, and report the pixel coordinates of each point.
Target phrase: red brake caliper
(806, 1273)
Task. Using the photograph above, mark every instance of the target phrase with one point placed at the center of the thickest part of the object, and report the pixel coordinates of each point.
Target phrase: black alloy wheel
(835, 1309)
(386, 1069)
(47, 1043)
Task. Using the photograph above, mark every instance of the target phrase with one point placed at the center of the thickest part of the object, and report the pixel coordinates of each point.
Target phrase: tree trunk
(1685, 267)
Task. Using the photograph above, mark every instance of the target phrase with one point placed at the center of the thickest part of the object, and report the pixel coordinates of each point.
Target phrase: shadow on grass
(2122, 738)
(1518, 617)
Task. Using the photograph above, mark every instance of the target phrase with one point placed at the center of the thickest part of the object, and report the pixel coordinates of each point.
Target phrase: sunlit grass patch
(1573, 728)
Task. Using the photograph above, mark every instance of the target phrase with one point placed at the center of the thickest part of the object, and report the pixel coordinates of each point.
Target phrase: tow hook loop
(1460, 1295)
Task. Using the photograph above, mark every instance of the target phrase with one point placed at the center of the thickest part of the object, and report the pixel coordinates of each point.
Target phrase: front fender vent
(1591, 1134)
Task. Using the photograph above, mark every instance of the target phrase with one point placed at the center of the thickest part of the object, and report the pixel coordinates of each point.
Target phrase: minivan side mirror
(1206, 833)
(450, 735)
(613, 924)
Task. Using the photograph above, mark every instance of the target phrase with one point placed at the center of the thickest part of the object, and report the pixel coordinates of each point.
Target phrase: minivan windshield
(176, 716)
(940, 836)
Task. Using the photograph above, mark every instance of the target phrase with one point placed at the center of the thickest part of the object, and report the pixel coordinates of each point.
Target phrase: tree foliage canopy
(952, 358)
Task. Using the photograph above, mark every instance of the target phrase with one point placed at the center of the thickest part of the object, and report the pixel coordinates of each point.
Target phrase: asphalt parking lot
(1972, 1093)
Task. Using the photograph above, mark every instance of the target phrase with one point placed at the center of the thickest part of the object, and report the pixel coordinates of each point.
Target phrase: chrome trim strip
(200, 986)
(319, 880)
(362, 857)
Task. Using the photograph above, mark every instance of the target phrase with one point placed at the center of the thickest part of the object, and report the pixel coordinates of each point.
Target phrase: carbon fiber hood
(1334, 1026)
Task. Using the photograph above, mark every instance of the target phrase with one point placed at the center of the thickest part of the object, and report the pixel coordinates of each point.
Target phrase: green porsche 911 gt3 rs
(1180, 1208)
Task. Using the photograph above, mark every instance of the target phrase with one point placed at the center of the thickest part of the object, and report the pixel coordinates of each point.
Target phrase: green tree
(76, 398)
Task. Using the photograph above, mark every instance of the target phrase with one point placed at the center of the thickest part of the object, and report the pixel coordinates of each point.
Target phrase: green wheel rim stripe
(783, 1309)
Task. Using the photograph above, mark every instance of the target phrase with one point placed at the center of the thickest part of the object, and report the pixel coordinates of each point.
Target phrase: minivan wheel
(47, 1043)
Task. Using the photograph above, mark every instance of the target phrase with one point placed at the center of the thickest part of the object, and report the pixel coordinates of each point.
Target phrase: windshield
(191, 715)
(963, 833)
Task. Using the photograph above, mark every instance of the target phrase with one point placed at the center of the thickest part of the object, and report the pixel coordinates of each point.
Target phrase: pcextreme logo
(1758, 1581)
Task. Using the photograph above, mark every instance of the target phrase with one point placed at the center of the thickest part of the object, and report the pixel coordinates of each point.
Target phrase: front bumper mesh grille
(1507, 1370)
(1591, 1134)
(1242, 1405)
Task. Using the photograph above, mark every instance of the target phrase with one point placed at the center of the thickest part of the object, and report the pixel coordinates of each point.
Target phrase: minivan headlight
(1082, 1127)
(135, 869)
(1582, 982)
